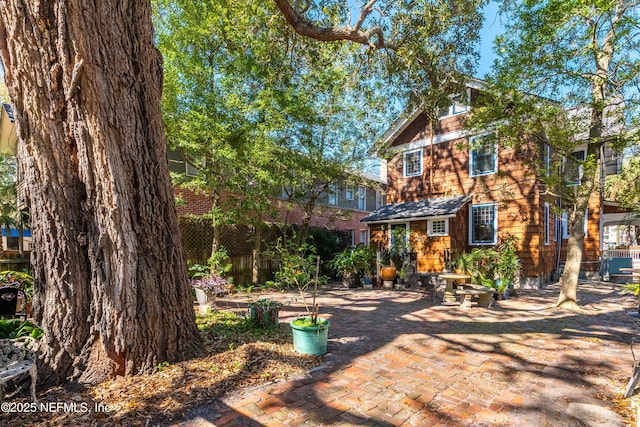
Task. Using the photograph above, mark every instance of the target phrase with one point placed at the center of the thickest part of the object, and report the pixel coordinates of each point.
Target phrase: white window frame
(580, 168)
(190, 170)
(430, 231)
(494, 240)
(353, 237)
(405, 164)
(390, 232)
(453, 110)
(565, 220)
(546, 223)
(333, 196)
(472, 172)
(362, 198)
(378, 199)
(348, 192)
(586, 222)
(546, 157)
(364, 236)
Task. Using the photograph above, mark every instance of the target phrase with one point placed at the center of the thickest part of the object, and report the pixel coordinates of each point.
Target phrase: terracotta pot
(388, 273)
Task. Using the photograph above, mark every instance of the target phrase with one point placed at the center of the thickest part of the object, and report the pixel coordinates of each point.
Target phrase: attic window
(459, 105)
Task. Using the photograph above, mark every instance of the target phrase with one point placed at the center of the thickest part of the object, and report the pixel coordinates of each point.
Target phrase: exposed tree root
(573, 307)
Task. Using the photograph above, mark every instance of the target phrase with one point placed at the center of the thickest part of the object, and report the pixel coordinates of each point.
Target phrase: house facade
(451, 197)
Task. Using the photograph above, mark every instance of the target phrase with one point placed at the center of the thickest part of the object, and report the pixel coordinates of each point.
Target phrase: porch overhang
(609, 219)
(441, 207)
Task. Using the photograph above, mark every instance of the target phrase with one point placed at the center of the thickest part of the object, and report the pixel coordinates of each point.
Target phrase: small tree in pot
(300, 267)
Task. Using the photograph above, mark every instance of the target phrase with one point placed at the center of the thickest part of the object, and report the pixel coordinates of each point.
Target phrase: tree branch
(373, 37)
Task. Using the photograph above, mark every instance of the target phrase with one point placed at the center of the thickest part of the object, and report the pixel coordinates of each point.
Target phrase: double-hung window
(573, 167)
(483, 159)
(546, 223)
(348, 193)
(378, 199)
(362, 198)
(546, 157)
(412, 161)
(484, 224)
(565, 223)
(333, 195)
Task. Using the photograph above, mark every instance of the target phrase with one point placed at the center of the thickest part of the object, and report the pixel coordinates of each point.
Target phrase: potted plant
(348, 264)
(299, 266)
(264, 313)
(207, 287)
(387, 271)
(368, 259)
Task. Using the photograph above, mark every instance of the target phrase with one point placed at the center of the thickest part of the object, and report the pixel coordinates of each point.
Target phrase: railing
(622, 253)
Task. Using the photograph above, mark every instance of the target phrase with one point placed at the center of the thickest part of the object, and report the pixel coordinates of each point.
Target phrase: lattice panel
(197, 237)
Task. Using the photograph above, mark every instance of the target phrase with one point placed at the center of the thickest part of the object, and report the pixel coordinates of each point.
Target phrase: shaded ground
(400, 358)
(396, 357)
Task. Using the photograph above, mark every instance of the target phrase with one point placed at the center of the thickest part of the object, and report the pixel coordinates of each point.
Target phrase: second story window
(483, 159)
(378, 199)
(573, 167)
(412, 161)
(348, 193)
(362, 198)
(546, 157)
(332, 196)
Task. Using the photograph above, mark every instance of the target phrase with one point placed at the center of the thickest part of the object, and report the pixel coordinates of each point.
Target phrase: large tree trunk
(111, 288)
(571, 273)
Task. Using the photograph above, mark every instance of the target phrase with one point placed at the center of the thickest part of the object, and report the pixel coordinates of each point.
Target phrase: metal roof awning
(420, 209)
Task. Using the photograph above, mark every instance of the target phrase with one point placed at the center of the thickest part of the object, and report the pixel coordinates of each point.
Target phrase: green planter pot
(310, 339)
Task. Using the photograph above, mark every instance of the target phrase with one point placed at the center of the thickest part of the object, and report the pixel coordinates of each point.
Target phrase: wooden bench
(483, 294)
(16, 359)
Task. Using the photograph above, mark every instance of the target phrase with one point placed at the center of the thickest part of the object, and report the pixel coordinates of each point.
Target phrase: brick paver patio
(398, 358)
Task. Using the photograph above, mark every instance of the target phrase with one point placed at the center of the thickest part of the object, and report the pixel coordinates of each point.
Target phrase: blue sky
(491, 28)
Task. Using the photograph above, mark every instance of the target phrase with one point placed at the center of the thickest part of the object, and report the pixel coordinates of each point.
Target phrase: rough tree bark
(111, 288)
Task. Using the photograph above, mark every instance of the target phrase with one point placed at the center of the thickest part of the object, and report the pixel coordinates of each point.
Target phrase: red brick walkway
(398, 359)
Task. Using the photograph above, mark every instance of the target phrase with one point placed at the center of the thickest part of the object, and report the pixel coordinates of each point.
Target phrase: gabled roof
(409, 116)
(420, 209)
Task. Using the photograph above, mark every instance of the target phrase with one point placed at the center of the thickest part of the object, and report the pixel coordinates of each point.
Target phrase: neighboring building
(341, 208)
(8, 137)
(11, 240)
(451, 199)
